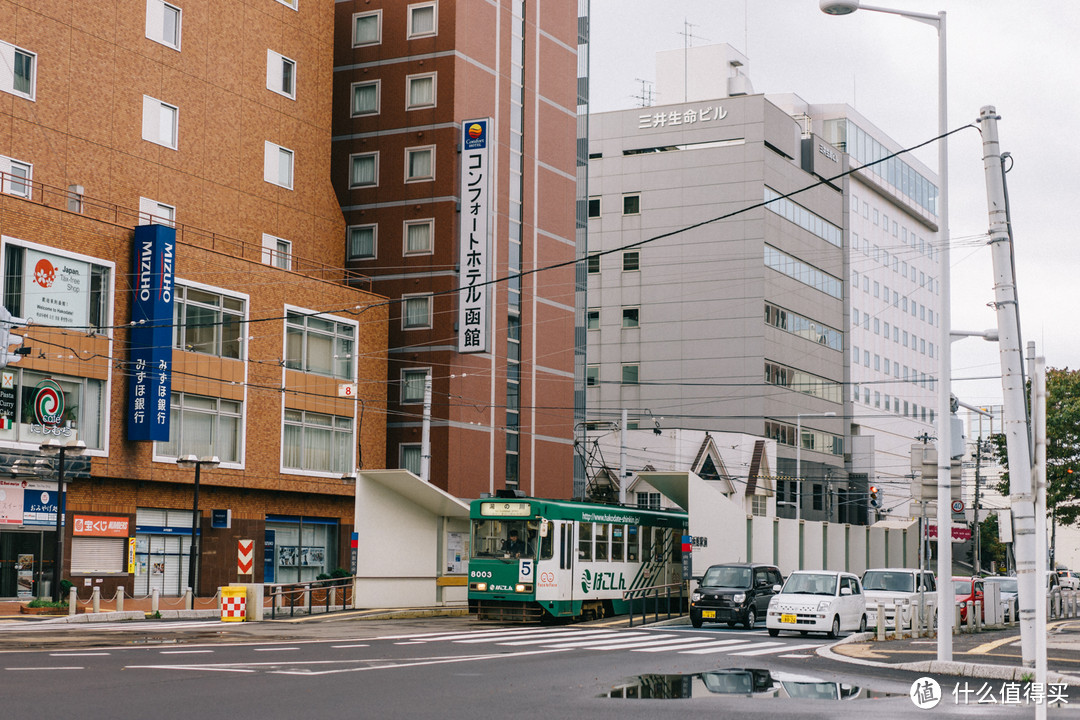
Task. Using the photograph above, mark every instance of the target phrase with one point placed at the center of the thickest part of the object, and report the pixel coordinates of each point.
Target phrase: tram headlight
(482, 587)
(523, 588)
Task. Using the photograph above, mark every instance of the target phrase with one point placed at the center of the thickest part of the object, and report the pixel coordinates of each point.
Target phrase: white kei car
(818, 601)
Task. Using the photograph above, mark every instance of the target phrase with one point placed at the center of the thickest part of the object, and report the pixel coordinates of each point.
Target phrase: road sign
(245, 560)
(958, 506)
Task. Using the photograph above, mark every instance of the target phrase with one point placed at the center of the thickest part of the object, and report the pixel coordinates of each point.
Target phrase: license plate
(788, 619)
(708, 613)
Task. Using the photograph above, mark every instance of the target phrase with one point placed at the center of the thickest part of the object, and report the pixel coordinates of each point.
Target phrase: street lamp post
(798, 457)
(944, 519)
(187, 462)
(49, 448)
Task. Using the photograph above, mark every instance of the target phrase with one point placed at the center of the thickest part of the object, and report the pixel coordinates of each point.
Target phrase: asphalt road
(436, 668)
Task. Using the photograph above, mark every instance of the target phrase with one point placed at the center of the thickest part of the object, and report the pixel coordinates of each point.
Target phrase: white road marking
(68, 654)
(622, 644)
(185, 652)
(274, 649)
(592, 636)
(709, 650)
(697, 644)
(350, 646)
(70, 667)
(784, 648)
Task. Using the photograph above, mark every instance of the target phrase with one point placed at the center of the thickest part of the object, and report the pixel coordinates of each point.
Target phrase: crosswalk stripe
(530, 636)
(593, 636)
(695, 644)
(661, 644)
(713, 649)
(469, 633)
(603, 643)
(783, 648)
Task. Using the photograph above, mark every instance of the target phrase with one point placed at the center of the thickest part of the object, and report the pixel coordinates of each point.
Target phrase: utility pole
(978, 482)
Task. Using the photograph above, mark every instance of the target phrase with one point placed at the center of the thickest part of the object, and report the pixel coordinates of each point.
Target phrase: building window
(280, 74)
(630, 374)
(277, 165)
(592, 375)
(420, 164)
(594, 207)
(316, 442)
(277, 252)
(416, 312)
(421, 91)
(85, 412)
(423, 20)
(362, 241)
(19, 264)
(207, 322)
(318, 344)
(159, 124)
(418, 236)
(648, 500)
(17, 71)
(592, 263)
(630, 317)
(592, 319)
(412, 385)
(759, 505)
(163, 23)
(152, 212)
(365, 98)
(631, 261)
(631, 204)
(367, 28)
(409, 457)
(203, 426)
(15, 177)
(364, 170)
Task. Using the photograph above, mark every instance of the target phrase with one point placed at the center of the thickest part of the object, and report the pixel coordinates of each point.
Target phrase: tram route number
(480, 573)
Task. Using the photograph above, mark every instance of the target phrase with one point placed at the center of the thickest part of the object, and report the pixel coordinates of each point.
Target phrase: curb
(936, 667)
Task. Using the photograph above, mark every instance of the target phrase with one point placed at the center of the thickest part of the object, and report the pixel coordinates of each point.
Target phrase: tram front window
(511, 539)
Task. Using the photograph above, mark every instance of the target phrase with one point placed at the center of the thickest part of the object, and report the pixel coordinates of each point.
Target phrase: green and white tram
(533, 558)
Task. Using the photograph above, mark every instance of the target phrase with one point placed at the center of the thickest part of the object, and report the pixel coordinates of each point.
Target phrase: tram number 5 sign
(525, 571)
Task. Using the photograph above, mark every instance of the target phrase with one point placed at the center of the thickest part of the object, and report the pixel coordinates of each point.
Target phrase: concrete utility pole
(622, 459)
(1022, 493)
(1038, 414)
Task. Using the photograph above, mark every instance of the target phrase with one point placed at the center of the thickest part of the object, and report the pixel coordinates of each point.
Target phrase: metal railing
(653, 591)
(316, 596)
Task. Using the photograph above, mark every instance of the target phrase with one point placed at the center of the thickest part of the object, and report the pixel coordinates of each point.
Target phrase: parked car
(1007, 585)
(969, 588)
(734, 593)
(1068, 580)
(892, 587)
(818, 601)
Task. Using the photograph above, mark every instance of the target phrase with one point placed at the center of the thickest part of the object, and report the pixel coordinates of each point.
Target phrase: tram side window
(676, 546)
(547, 540)
(646, 544)
(585, 541)
(658, 543)
(618, 541)
(632, 543)
(602, 542)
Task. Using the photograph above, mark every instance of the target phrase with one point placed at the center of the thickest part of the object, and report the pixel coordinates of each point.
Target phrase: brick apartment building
(212, 120)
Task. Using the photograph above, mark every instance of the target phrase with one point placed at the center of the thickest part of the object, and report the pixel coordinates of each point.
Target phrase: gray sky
(1018, 55)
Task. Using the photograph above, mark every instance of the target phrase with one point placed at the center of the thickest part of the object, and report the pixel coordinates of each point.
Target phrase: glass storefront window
(299, 549)
(35, 406)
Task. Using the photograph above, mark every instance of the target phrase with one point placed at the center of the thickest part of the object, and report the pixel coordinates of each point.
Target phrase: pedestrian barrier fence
(323, 596)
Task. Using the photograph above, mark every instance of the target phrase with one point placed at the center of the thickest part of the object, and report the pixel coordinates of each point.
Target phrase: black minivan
(734, 593)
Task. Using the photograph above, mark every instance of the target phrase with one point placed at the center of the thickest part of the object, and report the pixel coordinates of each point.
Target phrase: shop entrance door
(24, 563)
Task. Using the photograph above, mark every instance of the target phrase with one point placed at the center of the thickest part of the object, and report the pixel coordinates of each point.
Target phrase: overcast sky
(1021, 56)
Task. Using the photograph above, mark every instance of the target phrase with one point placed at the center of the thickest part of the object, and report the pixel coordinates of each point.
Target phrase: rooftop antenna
(645, 99)
(688, 41)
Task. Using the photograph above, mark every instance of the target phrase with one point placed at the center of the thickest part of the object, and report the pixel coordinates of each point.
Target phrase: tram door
(555, 572)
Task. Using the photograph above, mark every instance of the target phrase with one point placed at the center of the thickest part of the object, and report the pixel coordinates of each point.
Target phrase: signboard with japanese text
(474, 297)
(150, 358)
(11, 505)
(100, 526)
(690, 115)
(39, 504)
(56, 290)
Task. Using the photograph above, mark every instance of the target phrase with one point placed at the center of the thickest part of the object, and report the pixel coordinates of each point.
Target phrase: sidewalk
(992, 654)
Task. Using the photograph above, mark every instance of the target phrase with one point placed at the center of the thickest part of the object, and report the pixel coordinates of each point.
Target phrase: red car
(969, 588)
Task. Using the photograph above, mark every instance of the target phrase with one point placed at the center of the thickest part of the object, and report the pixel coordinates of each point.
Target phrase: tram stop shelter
(412, 542)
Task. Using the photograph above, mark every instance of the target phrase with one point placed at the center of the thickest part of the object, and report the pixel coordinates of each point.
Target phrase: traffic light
(875, 502)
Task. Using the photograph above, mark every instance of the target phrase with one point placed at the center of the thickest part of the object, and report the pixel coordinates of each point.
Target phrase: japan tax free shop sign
(150, 358)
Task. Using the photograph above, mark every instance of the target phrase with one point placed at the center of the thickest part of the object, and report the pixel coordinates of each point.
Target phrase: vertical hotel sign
(150, 360)
(474, 297)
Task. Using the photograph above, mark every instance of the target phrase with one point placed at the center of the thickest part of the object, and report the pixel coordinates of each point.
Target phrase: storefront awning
(422, 494)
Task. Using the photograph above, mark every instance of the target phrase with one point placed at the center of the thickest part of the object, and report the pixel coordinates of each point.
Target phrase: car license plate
(708, 613)
(788, 618)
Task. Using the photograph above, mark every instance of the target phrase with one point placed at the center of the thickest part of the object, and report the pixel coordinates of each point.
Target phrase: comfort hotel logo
(476, 136)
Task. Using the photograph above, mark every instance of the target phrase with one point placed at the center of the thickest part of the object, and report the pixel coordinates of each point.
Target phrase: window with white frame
(16, 178)
(316, 442)
(277, 252)
(203, 426)
(420, 91)
(592, 375)
(163, 21)
(409, 457)
(18, 294)
(365, 98)
(152, 212)
(420, 164)
(277, 165)
(412, 385)
(362, 241)
(418, 236)
(280, 74)
(423, 19)
(207, 321)
(416, 312)
(364, 170)
(18, 71)
(319, 344)
(367, 28)
(159, 124)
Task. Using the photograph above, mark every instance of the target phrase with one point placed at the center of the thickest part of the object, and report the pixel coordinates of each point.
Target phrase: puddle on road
(747, 682)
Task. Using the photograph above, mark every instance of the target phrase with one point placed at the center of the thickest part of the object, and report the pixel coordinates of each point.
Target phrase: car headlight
(695, 596)
(824, 605)
(739, 598)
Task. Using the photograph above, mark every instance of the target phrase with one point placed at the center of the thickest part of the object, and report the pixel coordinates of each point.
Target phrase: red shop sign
(100, 526)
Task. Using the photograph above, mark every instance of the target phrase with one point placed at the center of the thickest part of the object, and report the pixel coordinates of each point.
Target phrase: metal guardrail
(323, 596)
(654, 592)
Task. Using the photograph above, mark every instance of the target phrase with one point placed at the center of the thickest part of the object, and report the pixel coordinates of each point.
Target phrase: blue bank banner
(150, 359)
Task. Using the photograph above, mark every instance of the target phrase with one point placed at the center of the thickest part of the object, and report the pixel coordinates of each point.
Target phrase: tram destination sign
(505, 509)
